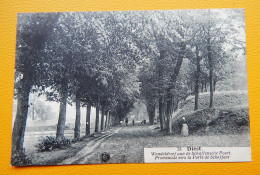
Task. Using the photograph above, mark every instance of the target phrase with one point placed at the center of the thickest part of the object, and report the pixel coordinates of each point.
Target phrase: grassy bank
(229, 115)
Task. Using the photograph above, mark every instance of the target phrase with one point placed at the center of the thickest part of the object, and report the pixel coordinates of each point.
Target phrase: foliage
(231, 121)
(196, 120)
(32, 33)
(39, 109)
(229, 115)
(49, 143)
(110, 59)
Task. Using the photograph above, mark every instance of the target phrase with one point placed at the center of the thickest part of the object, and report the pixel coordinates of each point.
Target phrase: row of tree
(74, 57)
(108, 59)
(198, 50)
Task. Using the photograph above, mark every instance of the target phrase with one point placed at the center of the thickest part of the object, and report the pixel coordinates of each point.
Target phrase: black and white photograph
(110, 87)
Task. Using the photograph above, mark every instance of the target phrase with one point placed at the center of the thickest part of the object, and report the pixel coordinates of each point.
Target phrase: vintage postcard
(130, 87)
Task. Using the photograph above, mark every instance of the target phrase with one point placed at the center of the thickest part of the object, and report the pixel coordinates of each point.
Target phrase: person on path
(185, 128)
(126, 121)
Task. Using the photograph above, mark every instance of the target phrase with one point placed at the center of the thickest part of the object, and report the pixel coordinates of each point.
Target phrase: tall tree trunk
(211, 88)
(164, 108)
(161, 113)
(97, 118)
(205, 84)
(174, 76)
(214, 85)
(151, 113)
(62, 112)
(102, 118)
(196, 95)
(202, 85)
(210, 65)
(169, 112)
(111, 120)
(107, 120)
(77, 121)
(197, 81)
(88, 119)
(21, 115)
(161, 91)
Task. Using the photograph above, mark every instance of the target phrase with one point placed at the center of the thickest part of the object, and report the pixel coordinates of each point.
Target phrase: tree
(88, 119)
(32, 32)
(118, 61)
(148, 88)
(77, 121)
(69, 51)
(38, 109)
(169, 49)
(183, 34)
(216, 30)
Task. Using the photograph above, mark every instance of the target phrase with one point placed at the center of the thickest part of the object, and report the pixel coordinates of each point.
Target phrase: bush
(20, 159)
(196, 120)
(214, 120)
(49, 143)
(231, 121)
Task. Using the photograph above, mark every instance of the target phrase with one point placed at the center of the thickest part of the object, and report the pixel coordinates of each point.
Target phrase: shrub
(231, 121)
(20, 159)
(49, 143)
(196, 120)
(214, 120)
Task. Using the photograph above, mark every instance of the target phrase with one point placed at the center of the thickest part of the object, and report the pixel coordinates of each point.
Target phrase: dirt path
(121, 144)
(91, 149)
(126, 144)
(87, 151)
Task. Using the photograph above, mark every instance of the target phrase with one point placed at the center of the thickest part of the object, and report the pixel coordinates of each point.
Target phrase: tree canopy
(111, 59)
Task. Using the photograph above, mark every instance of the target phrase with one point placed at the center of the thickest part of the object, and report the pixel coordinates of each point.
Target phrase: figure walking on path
(126, 121)
(185, 128)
